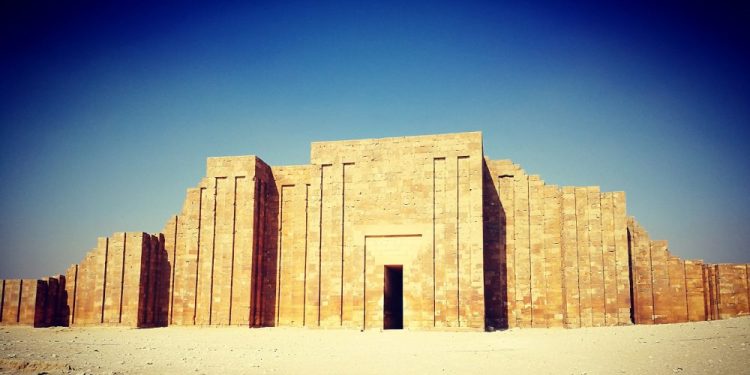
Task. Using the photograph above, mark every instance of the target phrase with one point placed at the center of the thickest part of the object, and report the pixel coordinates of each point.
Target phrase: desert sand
(715, 347)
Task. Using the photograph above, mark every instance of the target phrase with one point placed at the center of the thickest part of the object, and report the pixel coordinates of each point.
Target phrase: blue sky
(108, 111)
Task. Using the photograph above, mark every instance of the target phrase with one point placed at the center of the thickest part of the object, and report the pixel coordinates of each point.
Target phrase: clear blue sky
(109, 111)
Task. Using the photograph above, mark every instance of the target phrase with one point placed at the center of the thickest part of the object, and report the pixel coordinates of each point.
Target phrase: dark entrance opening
(393, 290)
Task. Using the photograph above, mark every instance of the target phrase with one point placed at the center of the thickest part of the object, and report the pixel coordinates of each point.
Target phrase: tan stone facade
(414, 232)
(557, 256)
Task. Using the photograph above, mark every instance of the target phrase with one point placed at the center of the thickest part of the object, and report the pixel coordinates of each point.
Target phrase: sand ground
(719, 347)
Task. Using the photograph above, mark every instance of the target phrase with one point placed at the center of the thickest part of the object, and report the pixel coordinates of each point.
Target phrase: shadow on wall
(37, 303)
(264, 311)
(125, 282)
(631, 278)
(156, 274)
(495, 268)
(62, 316)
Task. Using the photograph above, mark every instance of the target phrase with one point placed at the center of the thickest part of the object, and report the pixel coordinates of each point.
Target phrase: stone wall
(558, 255)
(477, 243)
(38, 303)
(728, 290)
(215, 246)
(117, 283)
(670, 290)
(361, 205)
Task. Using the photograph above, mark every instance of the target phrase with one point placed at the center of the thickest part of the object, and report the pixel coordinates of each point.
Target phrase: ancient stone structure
(414, 232)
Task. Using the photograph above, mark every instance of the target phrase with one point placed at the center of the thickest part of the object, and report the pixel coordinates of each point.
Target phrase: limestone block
(583, 216)
(242, 266)
(522, 263)
(32, 302)
(622, 257)
(166, 300)
(643, 303)
(596, 256)
(114, 273)
(678, 290)
(660, 272)
(538, 280)
(71, 286)
(695, 291)
(507, 212)
(206, 252)
(731, 289)
(11, 302)
(572, 291)
(553, 260)
(609, 260)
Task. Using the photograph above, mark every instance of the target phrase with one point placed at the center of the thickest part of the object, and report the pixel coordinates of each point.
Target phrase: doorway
(393, 292)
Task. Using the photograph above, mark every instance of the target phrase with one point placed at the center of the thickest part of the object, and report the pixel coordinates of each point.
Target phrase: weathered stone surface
(473, 243)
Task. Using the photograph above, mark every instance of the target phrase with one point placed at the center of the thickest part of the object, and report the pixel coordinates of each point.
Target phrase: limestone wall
(37, 303)
(558, 255)
(570, 257)
(728, 290)
(213, 244)
(670, 290)
(365, 204)
(117, 283)
(479, 244)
